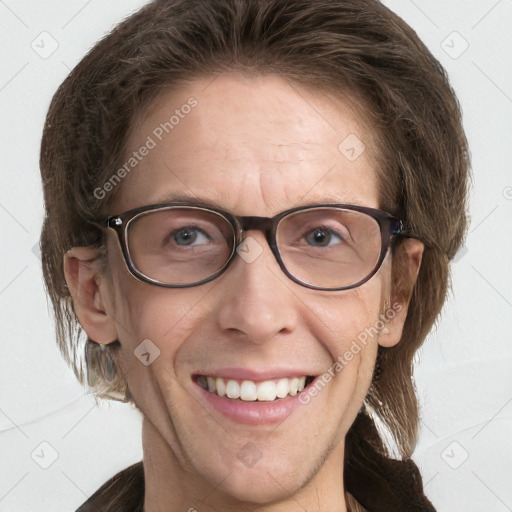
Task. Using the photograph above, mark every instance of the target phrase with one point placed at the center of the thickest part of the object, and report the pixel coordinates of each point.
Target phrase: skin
(254, 146)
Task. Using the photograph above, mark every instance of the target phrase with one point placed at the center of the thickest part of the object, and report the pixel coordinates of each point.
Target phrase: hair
(357, 48)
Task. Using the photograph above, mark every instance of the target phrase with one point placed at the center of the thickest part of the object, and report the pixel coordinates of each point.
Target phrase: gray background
(463, 376)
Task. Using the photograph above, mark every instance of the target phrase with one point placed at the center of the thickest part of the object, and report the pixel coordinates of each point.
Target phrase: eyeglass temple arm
(401, 229)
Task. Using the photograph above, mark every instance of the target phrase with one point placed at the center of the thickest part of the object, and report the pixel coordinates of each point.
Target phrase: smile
(251, 391)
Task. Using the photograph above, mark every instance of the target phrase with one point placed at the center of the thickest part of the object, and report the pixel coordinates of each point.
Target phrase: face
(253, 147)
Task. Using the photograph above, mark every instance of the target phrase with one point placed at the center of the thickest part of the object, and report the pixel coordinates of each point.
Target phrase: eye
(323, 236)
(189, 235)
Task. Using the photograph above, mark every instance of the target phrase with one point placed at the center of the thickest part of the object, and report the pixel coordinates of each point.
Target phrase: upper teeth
(251, 391)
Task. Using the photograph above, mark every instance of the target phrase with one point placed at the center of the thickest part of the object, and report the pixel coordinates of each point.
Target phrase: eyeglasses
(323, 247)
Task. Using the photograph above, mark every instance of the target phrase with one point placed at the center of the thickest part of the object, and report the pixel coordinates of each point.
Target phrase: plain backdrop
(57, 447)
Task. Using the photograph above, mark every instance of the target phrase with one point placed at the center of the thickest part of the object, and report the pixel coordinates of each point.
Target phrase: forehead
(255, 146)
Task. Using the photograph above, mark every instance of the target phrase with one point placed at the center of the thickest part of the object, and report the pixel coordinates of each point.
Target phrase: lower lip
(252, 413)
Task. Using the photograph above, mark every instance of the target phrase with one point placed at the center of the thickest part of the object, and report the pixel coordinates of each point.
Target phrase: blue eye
(189, 235)
(322, 237)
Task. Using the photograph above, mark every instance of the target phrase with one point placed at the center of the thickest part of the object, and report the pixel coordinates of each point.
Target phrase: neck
(172, 486)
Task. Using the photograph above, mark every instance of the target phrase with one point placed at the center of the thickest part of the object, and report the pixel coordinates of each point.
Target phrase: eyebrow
(187, 198)
(210, 203)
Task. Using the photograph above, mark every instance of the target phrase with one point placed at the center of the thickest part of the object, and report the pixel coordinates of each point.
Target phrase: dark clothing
(124, 492)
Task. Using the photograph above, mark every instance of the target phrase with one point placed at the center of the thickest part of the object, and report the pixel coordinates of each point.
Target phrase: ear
(81, 269)
(406, 265)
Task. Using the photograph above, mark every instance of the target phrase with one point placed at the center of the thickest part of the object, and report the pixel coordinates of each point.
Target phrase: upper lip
(256, 375)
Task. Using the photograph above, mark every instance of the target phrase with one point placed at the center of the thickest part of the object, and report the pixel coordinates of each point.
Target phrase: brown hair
(357, 47)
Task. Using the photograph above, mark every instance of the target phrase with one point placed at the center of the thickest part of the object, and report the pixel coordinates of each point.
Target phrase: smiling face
(252, 147)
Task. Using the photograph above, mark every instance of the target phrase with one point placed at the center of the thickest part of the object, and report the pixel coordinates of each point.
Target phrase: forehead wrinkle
(270, 152)
(259, 168)
(270, 205)
(276, 201)
(289, 152)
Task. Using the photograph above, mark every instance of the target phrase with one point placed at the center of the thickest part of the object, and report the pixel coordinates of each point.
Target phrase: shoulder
(124, 492)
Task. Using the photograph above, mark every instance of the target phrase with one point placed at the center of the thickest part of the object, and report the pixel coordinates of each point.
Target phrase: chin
(262, 486)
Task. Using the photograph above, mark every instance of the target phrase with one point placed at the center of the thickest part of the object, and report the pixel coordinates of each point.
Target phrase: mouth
(253, 391)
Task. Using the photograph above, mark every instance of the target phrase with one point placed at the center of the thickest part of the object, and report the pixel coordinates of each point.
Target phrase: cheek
(154, 326)
(349, 326)
(142, 311)
(154, 320)
(350, 316)
(344, 326)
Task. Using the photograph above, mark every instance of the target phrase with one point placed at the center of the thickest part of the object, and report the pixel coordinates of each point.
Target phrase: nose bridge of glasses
(263, 224)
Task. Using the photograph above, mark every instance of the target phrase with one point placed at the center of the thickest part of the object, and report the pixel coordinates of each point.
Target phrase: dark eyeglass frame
(389, 225)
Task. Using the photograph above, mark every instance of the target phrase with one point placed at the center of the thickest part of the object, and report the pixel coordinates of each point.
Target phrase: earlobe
(395, 317)
(81, 269)
(405, 272)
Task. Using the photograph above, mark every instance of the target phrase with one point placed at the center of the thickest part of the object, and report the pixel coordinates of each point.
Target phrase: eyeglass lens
(326, 247)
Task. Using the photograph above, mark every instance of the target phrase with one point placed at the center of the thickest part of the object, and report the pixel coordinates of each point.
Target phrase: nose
(256, 301)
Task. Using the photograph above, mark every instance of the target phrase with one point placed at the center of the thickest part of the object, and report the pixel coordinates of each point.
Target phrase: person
(250, 211)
